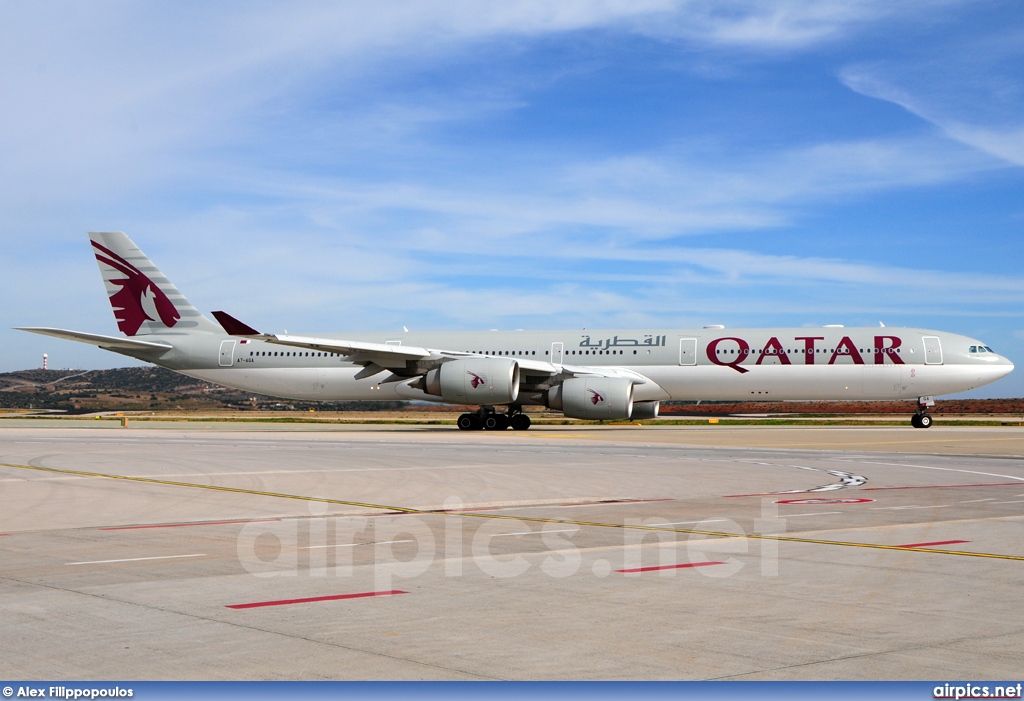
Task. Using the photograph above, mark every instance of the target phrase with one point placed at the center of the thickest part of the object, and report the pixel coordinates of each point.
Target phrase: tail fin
(144, 300)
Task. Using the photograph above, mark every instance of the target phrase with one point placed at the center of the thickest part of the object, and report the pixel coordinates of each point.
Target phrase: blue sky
(323, 166)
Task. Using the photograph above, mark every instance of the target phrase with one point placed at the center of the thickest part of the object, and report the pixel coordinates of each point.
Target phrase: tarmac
(241, 551)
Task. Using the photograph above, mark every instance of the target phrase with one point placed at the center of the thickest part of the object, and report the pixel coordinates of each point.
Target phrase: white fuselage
(704, 364)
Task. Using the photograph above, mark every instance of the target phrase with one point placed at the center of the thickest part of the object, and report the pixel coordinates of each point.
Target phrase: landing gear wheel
(495, 422)
(915, 421)
(469, 422)
(520, 422)
(924, 421)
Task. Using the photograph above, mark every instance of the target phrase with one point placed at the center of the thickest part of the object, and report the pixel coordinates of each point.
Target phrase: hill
(143, 389)
(156, 389)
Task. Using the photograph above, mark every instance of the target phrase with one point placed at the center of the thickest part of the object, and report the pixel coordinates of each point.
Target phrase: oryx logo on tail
(139, 300)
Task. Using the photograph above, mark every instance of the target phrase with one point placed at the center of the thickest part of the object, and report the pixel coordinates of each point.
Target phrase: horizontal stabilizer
(233, 326)
(96, 339)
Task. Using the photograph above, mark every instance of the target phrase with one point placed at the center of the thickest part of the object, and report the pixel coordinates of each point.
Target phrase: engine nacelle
(475, 381)
(593, 398)
(645, 410)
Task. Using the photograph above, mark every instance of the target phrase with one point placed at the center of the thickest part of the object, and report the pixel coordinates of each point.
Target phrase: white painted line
(944, 469)
(353, 545)
(136, 559)
(820, 513)
(564, 530)
(972, 501)
(1018, 501)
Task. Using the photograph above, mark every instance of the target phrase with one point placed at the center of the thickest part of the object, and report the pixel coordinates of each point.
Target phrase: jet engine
(475, 381)
(645, 410)
(593, 398)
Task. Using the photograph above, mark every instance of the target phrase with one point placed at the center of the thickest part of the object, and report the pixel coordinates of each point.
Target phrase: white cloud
(973, 96)
(118, 108)
(114, 95)
(1006, 143)
(788, 24)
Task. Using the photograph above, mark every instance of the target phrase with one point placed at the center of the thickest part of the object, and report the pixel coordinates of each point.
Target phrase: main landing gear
(487, 418)
(922, 419)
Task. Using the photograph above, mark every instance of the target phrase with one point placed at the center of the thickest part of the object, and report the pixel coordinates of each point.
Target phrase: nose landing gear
(922, 419)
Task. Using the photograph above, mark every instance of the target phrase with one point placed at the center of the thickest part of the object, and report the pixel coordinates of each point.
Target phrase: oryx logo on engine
(595, 398)
(477, 380)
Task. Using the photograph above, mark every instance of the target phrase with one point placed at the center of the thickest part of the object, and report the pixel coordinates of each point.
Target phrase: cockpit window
(973, 349)
(980, 349)
(988, 349)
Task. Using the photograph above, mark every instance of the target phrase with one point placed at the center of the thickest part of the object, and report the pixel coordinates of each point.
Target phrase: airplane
(590, 374)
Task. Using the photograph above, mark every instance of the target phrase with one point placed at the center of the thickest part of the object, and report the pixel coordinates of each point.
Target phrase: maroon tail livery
(138, 298)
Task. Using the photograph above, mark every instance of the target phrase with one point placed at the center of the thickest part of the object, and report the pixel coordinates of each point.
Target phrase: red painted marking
(671, 567)
(951, 486)
(182, 525)
(928, 545)
(833, 500)
(761, 494)
(615, 501)
(544, 506)
(770, 494)
(456, 511)
(285, 602)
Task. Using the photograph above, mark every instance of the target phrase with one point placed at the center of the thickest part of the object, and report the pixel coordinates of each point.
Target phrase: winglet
(233, 326)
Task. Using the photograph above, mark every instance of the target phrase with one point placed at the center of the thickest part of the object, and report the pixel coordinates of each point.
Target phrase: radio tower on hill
(44, 360)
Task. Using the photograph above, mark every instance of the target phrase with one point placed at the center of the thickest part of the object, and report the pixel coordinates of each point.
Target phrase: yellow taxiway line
(533, 519)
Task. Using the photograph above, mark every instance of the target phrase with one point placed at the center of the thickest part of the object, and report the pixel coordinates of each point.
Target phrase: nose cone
(997, 367)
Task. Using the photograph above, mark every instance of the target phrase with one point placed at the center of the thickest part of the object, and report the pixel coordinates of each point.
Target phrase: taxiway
(228, 552)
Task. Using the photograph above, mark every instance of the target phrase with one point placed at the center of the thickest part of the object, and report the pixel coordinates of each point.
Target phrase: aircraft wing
(383, 351)
(543, 368)
(586, 371)
(383, 355)
(97, 339)
(378, 356)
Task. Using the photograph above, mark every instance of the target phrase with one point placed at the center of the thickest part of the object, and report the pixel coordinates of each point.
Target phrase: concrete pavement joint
(533, 519)
(235, 624)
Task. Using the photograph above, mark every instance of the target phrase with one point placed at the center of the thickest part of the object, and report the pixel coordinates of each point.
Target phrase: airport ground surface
(186, 551)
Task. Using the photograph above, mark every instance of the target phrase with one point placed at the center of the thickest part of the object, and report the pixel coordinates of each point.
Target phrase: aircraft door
(556, 353)
(227, 353)
(687, 351)
(932, 350)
